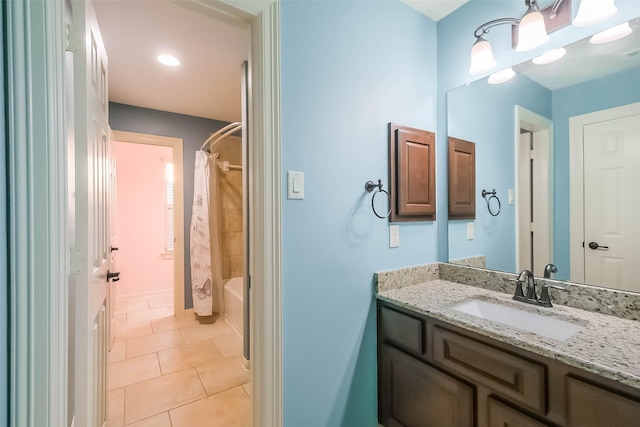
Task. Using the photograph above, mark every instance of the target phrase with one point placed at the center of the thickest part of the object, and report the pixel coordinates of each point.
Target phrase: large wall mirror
(560, 144)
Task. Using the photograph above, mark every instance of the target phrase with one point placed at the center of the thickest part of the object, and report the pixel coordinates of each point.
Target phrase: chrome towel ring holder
(369, 186)
(492, 195)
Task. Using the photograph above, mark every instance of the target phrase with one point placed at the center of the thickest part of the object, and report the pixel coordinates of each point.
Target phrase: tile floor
(170, 372)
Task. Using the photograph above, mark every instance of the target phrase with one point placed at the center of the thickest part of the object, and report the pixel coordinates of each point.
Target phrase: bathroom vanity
(440, 366)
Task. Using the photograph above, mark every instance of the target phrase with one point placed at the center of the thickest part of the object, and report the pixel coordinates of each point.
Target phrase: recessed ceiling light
(169, 60)
(502, 76)
(549, 57)
(612, 34)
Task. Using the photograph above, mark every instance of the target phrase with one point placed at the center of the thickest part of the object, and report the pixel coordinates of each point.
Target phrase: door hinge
(77, 262)
(74, 42)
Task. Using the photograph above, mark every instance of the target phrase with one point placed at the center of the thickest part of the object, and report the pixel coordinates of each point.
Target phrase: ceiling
(211, 50)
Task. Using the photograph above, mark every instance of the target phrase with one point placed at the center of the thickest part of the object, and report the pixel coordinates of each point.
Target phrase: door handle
(113, 277)
(595, 245)
(112, 248)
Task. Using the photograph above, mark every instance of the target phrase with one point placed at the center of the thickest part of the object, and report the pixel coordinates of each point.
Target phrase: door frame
(39, 261)
(176, 145)
(576, 179)
(532, 122)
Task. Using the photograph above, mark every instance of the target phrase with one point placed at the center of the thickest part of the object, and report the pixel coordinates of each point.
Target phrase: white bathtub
(233, 303)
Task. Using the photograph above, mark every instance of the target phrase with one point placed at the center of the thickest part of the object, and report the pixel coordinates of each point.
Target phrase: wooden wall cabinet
(412, 169)
(431, 373)
(462, 179)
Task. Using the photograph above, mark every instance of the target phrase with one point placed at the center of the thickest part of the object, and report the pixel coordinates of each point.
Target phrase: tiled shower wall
(230, 196)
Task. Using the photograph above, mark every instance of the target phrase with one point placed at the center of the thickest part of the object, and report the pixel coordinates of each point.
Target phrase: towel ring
(492, 195)
(369, 186)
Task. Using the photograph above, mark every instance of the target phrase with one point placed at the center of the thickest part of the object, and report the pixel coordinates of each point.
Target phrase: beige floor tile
(127, 305)
(115, 416)
(152, 397)
(171, 323)
(133, 370)
(229, 344)
(223, 374)
(133, 331)
(118, 352)
(205, 332)
(153, 343)
(247, 388)
(229, 409)
(187, 356)
(160, 420)
(145, 315)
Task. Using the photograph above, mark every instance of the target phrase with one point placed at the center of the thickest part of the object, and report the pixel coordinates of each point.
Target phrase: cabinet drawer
(403, 330)
(501, 415)
(517, 379)
(589, 405)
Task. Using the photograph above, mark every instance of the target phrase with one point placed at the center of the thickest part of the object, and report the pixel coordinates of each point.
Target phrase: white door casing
(534, 191)
(579, 241)
(612, 171)
(91, 254)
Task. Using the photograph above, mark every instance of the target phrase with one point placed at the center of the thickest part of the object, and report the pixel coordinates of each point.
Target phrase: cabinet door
(591, 406)
(501, 415)
(412, 394)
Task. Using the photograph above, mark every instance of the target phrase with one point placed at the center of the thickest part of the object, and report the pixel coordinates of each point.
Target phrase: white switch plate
(295, 185)
(511, 196)
(470, 231)
(394, 236)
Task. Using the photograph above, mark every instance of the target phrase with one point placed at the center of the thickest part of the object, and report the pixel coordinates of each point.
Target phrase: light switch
(394, 236)
(295, 184)
(511, 196)
(470, 231)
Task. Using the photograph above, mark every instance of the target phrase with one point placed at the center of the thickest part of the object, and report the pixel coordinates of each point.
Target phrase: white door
(91, 253)
(113, 237)
(535, 246)
(611, 202)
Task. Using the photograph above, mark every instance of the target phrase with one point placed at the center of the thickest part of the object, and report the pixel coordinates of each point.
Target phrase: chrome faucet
(548, 269)
(526, 278)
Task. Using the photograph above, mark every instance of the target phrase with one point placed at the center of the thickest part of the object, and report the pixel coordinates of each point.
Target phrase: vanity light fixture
(549, 57)
(527, 33)
(612, 34)
(502, 76)
(593, 12)
(168, 60)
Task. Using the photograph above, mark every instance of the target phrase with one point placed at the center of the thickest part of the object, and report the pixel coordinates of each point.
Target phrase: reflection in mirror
(555, 144)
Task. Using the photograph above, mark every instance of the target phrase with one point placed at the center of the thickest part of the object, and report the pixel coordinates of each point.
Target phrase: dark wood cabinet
(462, 179)
(412, 170)
(417, 395)
(431, 373)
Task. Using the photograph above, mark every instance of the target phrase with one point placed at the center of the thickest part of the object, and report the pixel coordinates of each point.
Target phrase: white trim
(178, 205)
(38, 258)
(265, 244)
(576, 179)
(533, 122)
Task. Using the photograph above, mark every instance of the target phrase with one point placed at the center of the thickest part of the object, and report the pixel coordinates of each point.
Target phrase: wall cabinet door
(413, 394)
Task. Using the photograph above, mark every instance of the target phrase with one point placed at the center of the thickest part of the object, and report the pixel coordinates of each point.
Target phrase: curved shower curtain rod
(221, 134)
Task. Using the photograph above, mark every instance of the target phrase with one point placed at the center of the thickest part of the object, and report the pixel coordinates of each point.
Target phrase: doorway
(534, 191)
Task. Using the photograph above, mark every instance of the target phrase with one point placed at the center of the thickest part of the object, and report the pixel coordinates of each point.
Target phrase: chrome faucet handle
(545, 299)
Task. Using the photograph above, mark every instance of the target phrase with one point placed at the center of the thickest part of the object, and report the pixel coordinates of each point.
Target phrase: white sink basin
(542, 325)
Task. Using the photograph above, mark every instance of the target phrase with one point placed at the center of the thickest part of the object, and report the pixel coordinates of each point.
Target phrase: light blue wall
(348, 69)
(485, 114)
(609, 92)
(4, 243)
(193, 131)
(455, 38)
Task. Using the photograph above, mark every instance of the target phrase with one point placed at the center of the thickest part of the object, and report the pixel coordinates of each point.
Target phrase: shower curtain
(206, 282)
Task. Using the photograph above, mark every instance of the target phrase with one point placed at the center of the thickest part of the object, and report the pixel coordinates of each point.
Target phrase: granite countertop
(606, 345)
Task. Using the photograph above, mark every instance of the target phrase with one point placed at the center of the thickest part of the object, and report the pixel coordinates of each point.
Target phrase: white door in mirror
(612, 230)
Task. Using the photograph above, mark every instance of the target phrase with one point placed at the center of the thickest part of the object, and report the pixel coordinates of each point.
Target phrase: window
(168, 179)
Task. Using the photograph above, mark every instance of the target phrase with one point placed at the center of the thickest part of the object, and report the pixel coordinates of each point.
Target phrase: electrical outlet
(394, 236)
(470, 231)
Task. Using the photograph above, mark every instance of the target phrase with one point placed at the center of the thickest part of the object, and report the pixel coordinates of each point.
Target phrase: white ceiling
(211, 50)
